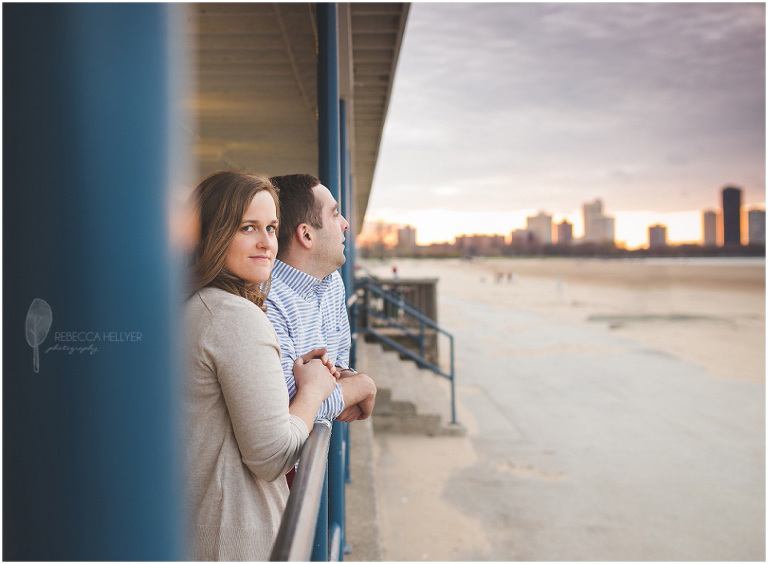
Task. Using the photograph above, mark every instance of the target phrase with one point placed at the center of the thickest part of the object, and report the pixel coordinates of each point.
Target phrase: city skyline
(500, 111)
(577, 232)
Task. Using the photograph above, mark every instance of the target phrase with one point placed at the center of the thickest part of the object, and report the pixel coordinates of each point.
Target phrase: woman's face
(252, 251)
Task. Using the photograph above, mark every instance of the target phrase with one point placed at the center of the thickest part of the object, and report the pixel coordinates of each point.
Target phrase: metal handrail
(296, 535)
(391, 322)
(394, 299)
(375, 288)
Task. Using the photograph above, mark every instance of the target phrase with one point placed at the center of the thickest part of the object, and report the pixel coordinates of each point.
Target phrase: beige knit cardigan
(240, 438)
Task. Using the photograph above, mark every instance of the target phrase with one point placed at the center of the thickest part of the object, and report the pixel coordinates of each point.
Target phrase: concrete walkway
(582, 445)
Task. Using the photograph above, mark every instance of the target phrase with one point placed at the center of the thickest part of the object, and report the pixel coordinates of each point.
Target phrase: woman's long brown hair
(222, 200)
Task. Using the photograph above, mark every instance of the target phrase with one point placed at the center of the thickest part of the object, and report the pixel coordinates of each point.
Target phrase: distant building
(756, 223)
(521, 238)
(710, 228)
(406, 240)
(541, 227)
(598, 228)
(480, 245)
(564, 232)
(438, 250)
(731, 216)
(657, 236)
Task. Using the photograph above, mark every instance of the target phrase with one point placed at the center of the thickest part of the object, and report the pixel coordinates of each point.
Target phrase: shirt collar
(302, 283)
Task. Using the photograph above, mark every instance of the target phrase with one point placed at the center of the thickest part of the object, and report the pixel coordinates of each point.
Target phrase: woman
(243, 436)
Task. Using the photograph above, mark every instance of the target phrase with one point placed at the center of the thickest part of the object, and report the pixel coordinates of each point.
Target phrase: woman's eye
(247, 228)
(271, 228)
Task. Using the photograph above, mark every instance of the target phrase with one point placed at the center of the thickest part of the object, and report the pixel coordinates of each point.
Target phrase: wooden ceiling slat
(256, 73)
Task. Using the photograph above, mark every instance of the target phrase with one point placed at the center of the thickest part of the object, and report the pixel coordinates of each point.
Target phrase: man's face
(329, 242)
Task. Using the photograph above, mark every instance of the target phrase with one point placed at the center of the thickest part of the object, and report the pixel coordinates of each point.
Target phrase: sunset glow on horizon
(443, 226)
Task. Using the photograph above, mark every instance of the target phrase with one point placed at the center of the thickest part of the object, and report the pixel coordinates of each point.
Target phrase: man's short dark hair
(297, 206)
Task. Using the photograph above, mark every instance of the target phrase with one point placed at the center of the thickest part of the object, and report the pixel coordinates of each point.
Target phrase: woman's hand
(313, 376)
(314, 383)
(321, 354)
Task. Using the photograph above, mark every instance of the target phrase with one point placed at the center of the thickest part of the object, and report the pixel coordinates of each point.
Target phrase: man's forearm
(356, 387)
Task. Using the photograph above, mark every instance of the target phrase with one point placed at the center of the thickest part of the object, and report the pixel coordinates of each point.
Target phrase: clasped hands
(358, 389)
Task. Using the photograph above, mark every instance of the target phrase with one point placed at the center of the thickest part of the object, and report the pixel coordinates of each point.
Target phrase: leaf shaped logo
(39, 319)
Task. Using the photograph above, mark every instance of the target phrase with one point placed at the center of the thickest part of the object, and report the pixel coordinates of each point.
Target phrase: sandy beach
(708, 311)
(615, 409)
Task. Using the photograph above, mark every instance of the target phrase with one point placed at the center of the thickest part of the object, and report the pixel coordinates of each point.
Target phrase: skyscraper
(756, 223)
(598, 228)
(541, 227)
(657, 236)
(406, 239)
(710, 228)
(731, 216)
(564, 232)
(593, 211)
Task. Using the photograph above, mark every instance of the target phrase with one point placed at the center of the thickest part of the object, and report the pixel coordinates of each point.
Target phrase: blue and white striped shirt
(307, 314)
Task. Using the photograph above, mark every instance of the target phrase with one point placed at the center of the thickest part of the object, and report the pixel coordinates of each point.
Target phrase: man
(306, 302)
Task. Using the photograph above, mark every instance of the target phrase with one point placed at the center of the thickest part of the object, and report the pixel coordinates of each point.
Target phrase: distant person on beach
(242, 435)
(307, 304)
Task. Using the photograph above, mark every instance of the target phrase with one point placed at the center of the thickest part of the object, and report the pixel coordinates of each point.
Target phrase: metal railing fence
(391, 315)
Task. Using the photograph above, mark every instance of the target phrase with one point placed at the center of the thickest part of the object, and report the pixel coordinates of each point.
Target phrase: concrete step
(369, 360)
(409, 400)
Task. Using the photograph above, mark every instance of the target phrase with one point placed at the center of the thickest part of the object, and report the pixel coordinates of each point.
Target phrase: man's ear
(305, 235)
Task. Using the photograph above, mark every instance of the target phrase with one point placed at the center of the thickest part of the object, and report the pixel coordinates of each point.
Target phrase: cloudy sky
(501, 110)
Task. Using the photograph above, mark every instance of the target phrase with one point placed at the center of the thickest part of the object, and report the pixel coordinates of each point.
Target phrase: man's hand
(352, 413)
(359, 393)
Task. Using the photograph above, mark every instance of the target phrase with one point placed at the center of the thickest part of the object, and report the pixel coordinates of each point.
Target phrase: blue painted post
(336, 482)
(320, 546)
(347, 208)
(348, 269)
(329, 167)
(89, 437)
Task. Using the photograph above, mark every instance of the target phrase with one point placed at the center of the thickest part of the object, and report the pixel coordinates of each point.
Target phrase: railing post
(320, 546)
(336, 482)
(453, 386)
(347, 478)
(421, 338)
